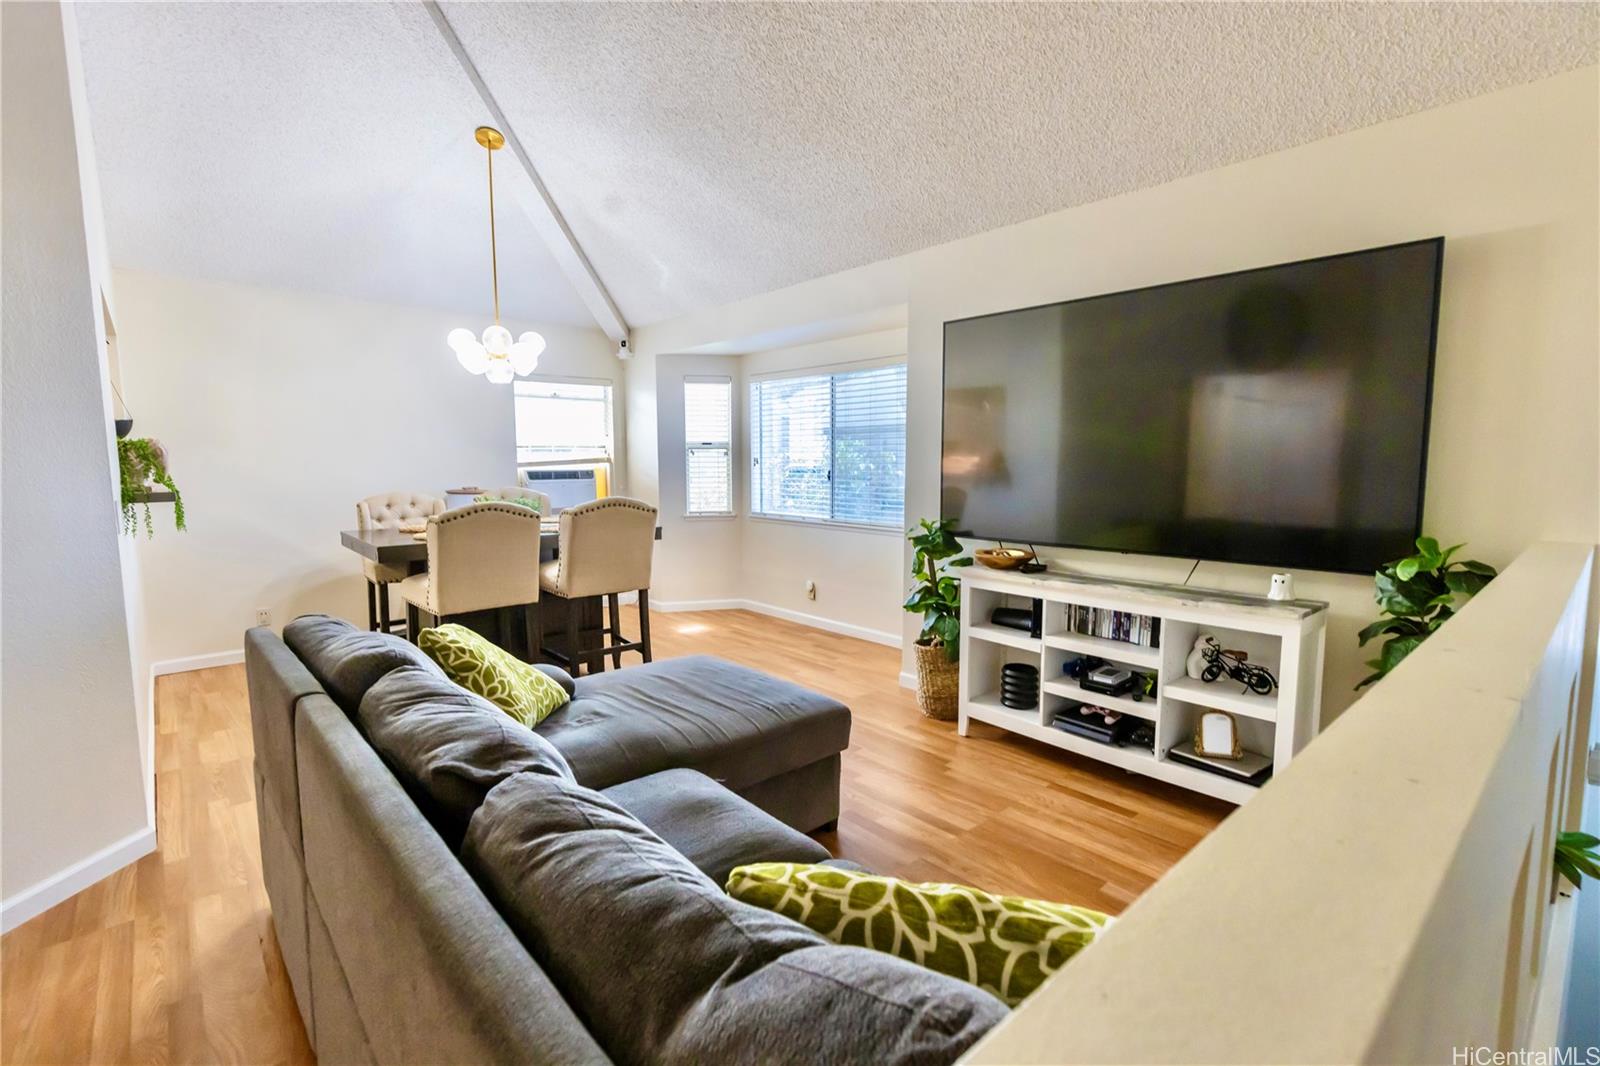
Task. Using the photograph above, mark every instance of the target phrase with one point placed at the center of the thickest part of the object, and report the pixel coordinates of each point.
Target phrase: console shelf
(1286, 636)
(1224, 696)
(1011, 638)
(1116, 650)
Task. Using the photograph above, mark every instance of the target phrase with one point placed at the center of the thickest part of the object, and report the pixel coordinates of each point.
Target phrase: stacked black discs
(1019, 686)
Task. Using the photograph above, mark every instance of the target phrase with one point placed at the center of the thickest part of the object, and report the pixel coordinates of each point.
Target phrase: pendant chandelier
(497, 357)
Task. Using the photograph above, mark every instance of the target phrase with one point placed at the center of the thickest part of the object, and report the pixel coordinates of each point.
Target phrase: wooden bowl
(1002, 558)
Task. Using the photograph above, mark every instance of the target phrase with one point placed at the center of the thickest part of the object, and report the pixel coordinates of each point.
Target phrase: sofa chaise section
(771, 741)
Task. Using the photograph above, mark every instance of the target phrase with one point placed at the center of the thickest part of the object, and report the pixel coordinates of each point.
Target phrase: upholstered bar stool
(391, 510)
(484, 557)
(606, 547)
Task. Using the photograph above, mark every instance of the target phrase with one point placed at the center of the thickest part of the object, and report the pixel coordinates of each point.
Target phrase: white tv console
(1285, 635)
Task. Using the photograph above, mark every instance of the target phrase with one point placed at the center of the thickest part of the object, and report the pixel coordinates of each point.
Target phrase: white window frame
(725, 445)
(606, 457)
(895, 529)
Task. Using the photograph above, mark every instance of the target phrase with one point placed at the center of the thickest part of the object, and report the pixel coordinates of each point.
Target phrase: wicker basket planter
(937, 680)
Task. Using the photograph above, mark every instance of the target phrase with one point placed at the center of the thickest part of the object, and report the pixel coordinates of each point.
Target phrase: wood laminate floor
(172, 959)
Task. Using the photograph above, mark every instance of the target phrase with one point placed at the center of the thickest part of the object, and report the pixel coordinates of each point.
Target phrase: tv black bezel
(1427, 402)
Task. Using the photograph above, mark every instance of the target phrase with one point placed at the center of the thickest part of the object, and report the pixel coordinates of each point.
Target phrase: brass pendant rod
(494, 252)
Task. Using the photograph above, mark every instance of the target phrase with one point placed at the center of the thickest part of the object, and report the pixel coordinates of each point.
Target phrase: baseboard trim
(673, 606)
(876, 636)
(908, 679)
(32, 902)
(196, 662)
(150, 748)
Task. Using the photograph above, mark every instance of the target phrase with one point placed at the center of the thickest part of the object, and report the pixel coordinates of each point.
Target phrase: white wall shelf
(1286, 636)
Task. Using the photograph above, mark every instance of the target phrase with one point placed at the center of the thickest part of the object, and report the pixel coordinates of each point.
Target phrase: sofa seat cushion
(347, 660)
(710, 826)
(733, 724)
(447, 746)
(663, 967)
(1006, 945)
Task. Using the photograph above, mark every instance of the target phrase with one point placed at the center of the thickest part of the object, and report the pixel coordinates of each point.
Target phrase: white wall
(704, 562)
(764, 563)
(857, 572)
(101, 281)
(72, 798)
(1508, 178)
(281, 409)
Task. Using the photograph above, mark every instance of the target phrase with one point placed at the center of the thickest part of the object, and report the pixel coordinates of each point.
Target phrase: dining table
(394, 547)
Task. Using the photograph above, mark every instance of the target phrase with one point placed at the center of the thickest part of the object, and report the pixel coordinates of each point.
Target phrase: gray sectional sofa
(448, 886)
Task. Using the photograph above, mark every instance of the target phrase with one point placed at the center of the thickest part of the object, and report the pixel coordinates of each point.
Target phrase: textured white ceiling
(325, 147)
(703, 153)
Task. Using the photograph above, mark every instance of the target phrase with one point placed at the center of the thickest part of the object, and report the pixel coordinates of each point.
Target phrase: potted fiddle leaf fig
(1577, 857)
(936, 595)
(1419, 594)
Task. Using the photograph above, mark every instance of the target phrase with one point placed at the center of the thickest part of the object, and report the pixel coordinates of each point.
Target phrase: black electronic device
(1108, 679)
(1019, 686)
(1276, 416)
(1090, 722)
(1249, 772)
(1029, 620)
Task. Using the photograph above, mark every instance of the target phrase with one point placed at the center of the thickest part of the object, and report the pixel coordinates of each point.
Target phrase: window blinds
(830, 446)
(708, 445)
(869, 446)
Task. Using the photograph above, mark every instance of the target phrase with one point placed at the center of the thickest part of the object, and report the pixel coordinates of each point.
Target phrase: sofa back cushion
(665, 968)
(447, 746)
(346, 660)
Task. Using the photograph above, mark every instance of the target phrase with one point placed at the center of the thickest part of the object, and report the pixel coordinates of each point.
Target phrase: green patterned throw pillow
(526, 694)
(1005, 945)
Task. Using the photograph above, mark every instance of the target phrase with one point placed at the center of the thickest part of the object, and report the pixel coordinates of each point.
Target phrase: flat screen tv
(1275, 416)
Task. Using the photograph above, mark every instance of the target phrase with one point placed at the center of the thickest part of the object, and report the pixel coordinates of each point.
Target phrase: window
(562, 422)
(830, 446)
(708, 445)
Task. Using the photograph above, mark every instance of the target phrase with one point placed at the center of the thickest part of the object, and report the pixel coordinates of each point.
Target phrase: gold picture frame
(1216, 736)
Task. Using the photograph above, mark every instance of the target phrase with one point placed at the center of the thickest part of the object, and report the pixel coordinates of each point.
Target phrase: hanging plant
(143, 465)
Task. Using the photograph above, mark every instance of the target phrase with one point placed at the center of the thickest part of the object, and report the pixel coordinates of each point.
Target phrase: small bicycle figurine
(1221, 661)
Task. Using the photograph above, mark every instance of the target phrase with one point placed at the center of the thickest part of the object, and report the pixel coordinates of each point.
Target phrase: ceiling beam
(536, 202)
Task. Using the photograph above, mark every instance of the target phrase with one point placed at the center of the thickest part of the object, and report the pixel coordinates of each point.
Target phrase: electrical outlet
(811, 590)
(263, 616)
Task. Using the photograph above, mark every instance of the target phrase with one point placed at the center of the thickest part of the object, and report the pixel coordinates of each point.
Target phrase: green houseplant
(143, 465)
(1419, 594)
(936, 595)
(1576, 857)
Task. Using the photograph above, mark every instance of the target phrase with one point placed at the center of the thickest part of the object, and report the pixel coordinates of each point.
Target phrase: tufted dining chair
(538, 498)
(482, 557)
(606, 546)
(390, 510)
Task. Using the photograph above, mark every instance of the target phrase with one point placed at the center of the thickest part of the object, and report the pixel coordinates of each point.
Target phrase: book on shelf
(1107, 624)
